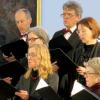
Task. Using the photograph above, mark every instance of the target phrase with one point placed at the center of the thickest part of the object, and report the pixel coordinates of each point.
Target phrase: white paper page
(76, 88)
(41, 84)
(79, 87)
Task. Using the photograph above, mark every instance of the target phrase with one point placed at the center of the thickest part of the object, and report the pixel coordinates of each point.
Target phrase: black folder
(47, 93)
(80, 92)
(60, 42)
(64, 62)
(13, 69)
(6, 90)
(18, 48)
(84, 95)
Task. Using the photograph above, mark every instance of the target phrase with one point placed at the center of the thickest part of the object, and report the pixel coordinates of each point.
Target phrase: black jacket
(73, 40)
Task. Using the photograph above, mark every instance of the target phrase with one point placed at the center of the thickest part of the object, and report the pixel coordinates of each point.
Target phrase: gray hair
(75, 6)
(94, 63)
(41, 33)
(26, 11)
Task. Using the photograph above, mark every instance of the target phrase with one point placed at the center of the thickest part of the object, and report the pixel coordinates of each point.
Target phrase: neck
(91, 42)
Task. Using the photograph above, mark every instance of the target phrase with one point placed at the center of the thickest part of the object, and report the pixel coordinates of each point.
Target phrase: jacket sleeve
(53, 81)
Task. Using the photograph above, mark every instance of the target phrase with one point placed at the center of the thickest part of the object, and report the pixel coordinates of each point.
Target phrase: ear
(78, 18)
(30, 21)
(99, 79)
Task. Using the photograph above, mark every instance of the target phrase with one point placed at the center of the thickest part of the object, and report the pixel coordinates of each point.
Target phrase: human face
(91, 77)
(33, 59)
(85, 34)
(70, 18)
(23, 23)
(34, 39)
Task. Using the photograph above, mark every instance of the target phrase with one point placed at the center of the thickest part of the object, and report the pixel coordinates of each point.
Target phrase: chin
(89, 85)
(83, 42)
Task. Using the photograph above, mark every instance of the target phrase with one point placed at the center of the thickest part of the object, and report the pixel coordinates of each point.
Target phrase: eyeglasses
(89, 73)
(32, 39)
(32, 55)
(69, 15)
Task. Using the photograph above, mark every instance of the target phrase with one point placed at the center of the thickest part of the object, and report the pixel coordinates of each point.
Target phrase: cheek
(32, 63)
(31, 43)
(90, 81)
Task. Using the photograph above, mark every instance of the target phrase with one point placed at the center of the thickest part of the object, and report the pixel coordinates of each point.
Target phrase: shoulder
(57, 33)
(98, 44)
(53, 76)
(80, 48)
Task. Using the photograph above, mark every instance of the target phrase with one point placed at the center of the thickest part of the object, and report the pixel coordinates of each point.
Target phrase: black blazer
(95, 52)
(73, 40)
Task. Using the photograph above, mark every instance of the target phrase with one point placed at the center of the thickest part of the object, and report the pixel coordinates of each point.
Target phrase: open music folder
(60, 42)
(45, 91)
(65, 64)
(6, 90)
(18, 48)
(80, 92)
(12, 69)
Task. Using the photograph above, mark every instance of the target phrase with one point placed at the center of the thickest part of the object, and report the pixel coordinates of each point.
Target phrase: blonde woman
(39, 67)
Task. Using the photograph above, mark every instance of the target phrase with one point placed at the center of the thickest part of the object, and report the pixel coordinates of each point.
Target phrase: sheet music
(41, 84)
(79, 87)
(76, 88)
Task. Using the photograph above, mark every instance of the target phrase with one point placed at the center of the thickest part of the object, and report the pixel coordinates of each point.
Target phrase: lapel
(27, 84)
(34, 86)
(74, 39)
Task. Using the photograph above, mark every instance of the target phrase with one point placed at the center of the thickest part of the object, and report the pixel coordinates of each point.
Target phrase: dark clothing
(73, 40)
(30, 84)
(66, 80)
(83, 53)
(96, 89)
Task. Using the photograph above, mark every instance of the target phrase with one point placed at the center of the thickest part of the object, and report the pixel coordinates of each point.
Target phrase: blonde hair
(45, 67)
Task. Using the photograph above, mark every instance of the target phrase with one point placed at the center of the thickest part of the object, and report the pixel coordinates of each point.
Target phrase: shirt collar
(72, 28)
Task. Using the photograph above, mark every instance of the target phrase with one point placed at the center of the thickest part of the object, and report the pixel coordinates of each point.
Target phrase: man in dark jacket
(72, 13)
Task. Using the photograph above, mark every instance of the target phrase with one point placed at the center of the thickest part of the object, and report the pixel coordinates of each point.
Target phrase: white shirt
(68, 34)
(24, 36)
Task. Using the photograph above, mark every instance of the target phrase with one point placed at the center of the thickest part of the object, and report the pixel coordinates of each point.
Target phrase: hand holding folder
(13, 69)
(18, 48)
(6, 90)
(66, 65)
(81, 92)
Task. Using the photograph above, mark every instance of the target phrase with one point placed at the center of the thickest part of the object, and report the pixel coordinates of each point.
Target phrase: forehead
(32, 34)
(69, 10)
(81, 26)
(20, 15)
(89, 69)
